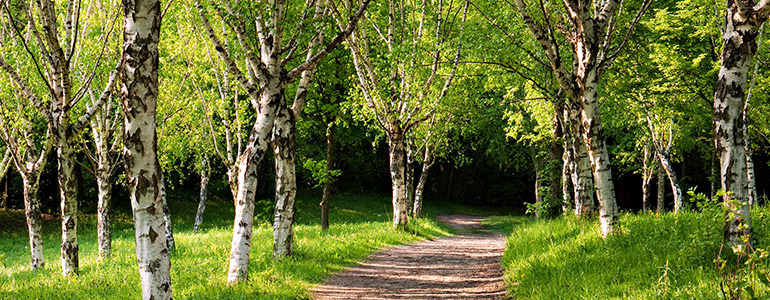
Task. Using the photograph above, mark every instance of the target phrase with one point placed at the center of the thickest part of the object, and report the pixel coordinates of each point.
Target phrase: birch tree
(739, 42)
(57, 60)
(401, 87)
(138, 94)
(29, 149)
(104, 160)
(663, 152)
(588, 27)
(266, 77)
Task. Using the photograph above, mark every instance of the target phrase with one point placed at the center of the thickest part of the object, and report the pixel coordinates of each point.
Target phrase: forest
(219, 149)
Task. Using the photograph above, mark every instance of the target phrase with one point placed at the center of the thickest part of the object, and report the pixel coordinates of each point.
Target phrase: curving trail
(466, 266)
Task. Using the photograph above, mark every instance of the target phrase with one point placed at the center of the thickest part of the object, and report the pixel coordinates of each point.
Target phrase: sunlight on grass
(199, 266)
(653, 257)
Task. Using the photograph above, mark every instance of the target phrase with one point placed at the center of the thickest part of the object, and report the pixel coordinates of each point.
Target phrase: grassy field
(360, 226)
(654, 257)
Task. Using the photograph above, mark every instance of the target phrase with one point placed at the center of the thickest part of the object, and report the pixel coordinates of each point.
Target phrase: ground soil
(464, 266)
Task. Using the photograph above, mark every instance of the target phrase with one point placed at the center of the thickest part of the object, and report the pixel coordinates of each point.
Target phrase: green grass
(360, 226)
(653, 257)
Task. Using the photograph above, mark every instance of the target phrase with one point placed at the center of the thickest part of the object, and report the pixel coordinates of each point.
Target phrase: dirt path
(466, 266)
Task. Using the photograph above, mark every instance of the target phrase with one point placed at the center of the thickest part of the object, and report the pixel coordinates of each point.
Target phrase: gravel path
(465, 266)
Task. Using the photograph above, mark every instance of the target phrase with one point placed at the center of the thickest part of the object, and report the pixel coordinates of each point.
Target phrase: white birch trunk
(33, 213)
(538, 164)
(739, 46)
(409, 177)
(104, 223)
(593, 135)
(582, 182)
(68, 188)
(428, 162)
(248, 165)
(285, 183)
(676, 190)
(647, 170)
(170, 243)
(204, 193)
(139, 90)
(661, 207)
(398, 181)
(327, 192)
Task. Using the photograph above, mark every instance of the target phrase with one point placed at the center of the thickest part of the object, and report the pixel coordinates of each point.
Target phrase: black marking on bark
(153, 235)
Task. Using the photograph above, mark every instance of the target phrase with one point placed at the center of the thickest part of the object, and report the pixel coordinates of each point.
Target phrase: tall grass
(653, 257)
(360, 226)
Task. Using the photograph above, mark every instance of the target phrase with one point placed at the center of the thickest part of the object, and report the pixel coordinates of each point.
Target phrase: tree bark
(409, 177)
(556, 151)
(205, 173)
(170, 243)
(248, 166)
(538, 164)
(593, 135)
(427, 162)
(33, 213)
(104, 223)
(285, 183)
(139, 91)
(397, 157)
(647, 170)
(68, 187)
(582, 181)
(676, 190)
(739, 46)
(661, 207)
(327, 190)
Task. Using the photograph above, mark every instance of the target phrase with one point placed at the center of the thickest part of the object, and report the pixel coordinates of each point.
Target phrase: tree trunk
(204, 193)
(427, 163)
(409, 175)
(538, 164)
(34, 222)
(661, 207)
(327, 192)
(556, 151)
(104, 206)
(397, 178)
(739, 46)
(582, 182)
(593, 135)
(647, 170)
(676, 190)
(248, 166)
(285, 183)
(139, 90)
(750, 175)
(566, 180)
(167, 217)
(68, 188)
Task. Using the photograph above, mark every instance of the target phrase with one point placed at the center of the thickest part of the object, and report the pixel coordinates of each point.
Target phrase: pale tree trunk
(69, 205)
(139, 90)
(647, 170)
(104, 223)
(661, 207)
(593, 135)
(538, 164)
(566, 180)
(427, 162)
(327, 190)
(397, 157)
(750, 174)
(285, 183)
(579, 164)
(170, 243)
(34, 222)
(409, 176)
(583, 182)
(248, 167)
(739, 46)
(676, 190)
(204, 193)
